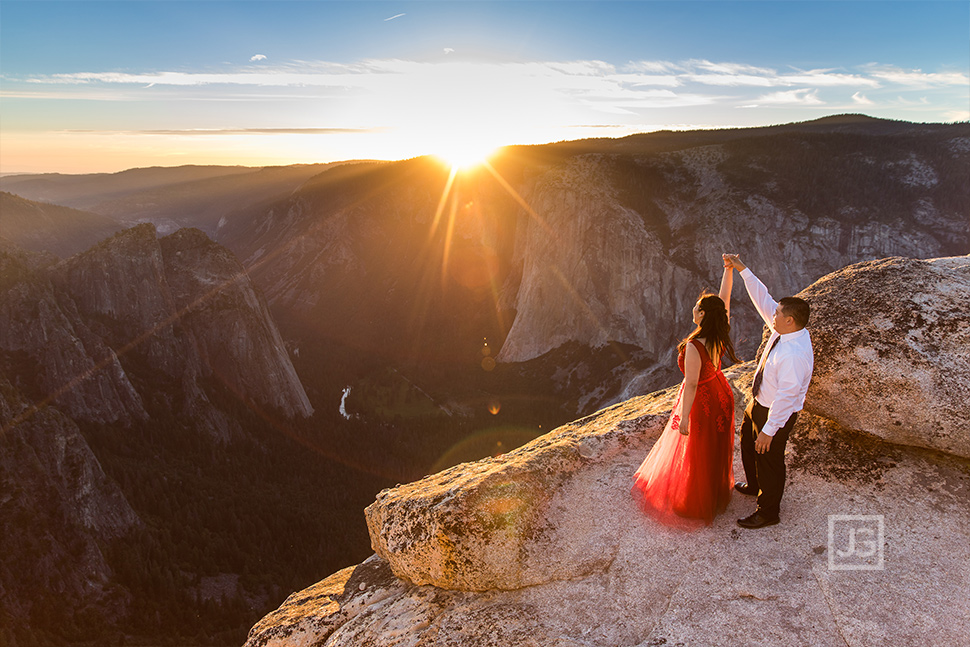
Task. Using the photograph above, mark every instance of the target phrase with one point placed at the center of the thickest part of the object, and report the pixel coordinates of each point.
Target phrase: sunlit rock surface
(896, 334)
(601, 263)
(544, 546)
(594, 270)
(525, 518)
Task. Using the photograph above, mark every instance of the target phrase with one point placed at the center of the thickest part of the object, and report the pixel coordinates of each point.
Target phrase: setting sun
(463, 154)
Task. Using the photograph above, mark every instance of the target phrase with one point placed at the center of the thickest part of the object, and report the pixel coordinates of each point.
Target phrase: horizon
(494, 153)
(107, 87)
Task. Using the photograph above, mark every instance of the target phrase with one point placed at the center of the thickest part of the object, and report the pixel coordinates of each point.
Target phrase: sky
(105, 86)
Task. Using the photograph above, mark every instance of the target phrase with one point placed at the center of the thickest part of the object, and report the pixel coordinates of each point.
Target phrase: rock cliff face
(134, 328)
(163, 314)
(54, 354)
(544, 546)
(593, 270)
(56, 507)
(597, 242)
(634, 239)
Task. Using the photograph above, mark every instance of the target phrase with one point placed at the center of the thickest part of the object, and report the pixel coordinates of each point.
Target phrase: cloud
(917, 78)
(393, 17)
(827, 78)
(791, 97)
(258, 57)
(256, 131)
(576, 87)
(449, 50)
(654, 67)
(727, 74)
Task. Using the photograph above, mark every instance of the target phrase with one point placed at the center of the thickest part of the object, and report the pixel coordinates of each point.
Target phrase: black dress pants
(765, 472)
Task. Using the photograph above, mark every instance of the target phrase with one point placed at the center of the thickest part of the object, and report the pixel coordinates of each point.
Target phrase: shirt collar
(792, 336)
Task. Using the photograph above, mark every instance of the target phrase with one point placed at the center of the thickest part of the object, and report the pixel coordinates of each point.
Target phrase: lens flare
(488, 442)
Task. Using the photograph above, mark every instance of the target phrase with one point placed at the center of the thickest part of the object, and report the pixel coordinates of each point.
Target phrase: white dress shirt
(788, 368)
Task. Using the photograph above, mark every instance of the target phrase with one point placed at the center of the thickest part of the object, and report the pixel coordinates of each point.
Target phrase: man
(778, 394)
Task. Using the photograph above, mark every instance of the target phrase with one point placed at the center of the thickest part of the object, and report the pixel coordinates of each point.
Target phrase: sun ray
(520, 200)
(441, 203)
(449, 233)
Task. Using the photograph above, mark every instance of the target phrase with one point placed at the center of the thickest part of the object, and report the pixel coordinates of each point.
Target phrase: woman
(688, 476)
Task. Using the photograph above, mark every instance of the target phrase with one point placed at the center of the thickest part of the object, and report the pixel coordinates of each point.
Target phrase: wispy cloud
(742, 75)
(393, 17)
(378, 92)
(192, 132)
(917, 78)
(635, 74)
(791, 97)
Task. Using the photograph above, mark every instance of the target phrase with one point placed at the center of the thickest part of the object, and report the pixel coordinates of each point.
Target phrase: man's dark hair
(797, 309)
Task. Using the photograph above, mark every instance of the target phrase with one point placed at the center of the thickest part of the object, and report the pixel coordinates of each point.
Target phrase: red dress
(686, 480)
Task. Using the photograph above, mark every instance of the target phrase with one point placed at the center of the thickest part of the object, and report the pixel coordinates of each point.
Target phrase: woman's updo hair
(714, 328)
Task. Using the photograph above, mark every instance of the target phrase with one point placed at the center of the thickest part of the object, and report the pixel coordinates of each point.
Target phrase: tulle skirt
(686, 481)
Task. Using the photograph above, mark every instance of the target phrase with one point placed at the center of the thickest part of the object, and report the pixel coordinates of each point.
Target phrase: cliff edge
(545, 547)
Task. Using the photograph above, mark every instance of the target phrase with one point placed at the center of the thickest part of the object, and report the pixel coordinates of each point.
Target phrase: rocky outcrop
(544, 546)
(488, 525)
(57, 510)
(55, 356)
(136, 323)
(593, 271)
(896, 340)
(230, 323)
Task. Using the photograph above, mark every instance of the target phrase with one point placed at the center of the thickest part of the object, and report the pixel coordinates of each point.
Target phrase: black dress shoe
(744, 488)
(757, 520)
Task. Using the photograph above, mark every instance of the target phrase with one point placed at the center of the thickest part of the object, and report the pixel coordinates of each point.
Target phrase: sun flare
(464, 154)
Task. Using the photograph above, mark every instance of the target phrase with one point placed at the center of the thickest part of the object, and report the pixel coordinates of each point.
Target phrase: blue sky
(103, 86)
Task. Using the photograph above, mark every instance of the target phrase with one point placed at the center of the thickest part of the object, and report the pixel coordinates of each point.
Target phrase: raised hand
(734, 260)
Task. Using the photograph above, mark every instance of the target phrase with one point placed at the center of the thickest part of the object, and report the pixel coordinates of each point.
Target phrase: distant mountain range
(334, 329)
(184, 196)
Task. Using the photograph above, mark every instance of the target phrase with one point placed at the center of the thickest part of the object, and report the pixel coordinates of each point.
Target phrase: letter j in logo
(856, 542)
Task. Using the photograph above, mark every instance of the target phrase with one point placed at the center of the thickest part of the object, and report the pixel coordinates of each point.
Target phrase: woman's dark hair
(714, 328)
